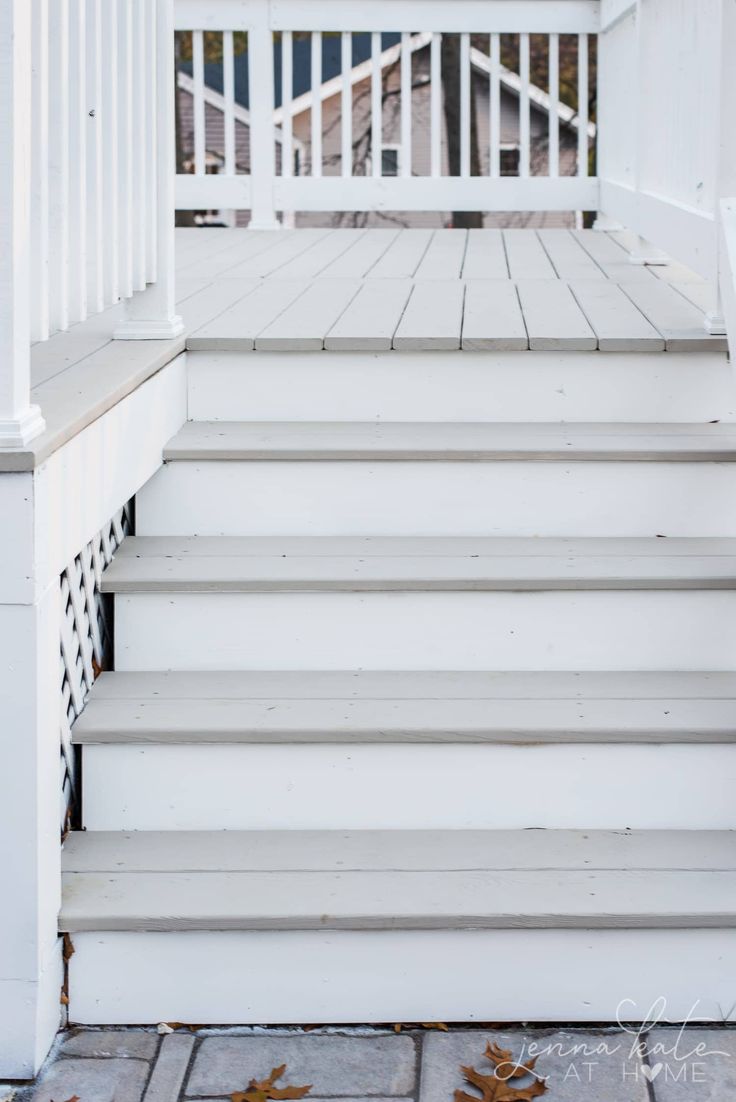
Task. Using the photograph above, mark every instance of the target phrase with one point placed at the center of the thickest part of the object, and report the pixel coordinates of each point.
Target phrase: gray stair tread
(398, 879)
(398, 706)
(226, 440)
(239, 564)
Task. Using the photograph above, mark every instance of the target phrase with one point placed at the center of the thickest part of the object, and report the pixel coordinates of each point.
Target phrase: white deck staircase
(418, 720)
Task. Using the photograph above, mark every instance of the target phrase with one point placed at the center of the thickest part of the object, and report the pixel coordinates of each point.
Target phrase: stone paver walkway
(378, 1065)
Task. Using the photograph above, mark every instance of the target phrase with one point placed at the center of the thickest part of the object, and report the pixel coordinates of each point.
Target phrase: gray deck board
(444, 256)
(403, 256)
(389, 881)
(410, 707)
(371, 318)
(233, 565)
(679, 322)
(617, 323)
(554, 321)
(433, 316)
(485, 256)
(466, 441)
(492, 317)
(412, 850)
(304, 324)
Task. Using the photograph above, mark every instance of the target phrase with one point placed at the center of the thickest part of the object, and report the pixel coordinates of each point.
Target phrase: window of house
(509, 160)
(390, 160)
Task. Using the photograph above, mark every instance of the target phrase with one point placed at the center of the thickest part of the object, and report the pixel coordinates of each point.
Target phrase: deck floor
(423, 289)
(375, 289)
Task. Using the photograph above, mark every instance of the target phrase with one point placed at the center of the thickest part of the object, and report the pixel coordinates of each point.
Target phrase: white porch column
(151, 314)
(31, 969)
(19, 420)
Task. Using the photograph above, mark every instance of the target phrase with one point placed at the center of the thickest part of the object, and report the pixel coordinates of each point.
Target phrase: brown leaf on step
(68, 949)
(265, 1090)
(502, 1083)
(435, 1025)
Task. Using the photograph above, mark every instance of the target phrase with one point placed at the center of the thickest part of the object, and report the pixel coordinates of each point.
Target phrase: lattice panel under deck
(86, 638)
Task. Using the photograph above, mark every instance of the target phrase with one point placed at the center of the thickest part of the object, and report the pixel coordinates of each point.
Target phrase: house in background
(390, 152)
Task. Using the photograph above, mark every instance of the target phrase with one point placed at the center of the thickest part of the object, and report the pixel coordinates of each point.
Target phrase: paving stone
(111, 1042)
(692, 1065)
(335, 1065)
(170, 1068)
(580, 1065)
(108, 1080)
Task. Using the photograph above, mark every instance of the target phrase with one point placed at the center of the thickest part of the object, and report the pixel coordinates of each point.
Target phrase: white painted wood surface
(593, 630)
(378, 975)
(490, 386)
(370, 498)
(19, 420)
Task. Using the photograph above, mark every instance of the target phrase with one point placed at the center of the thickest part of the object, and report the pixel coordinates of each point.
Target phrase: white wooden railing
(270, 184)
(86, 178)
(667, 154)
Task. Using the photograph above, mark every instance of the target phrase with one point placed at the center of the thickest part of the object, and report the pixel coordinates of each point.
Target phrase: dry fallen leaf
(501, 1084)
(265, 1090)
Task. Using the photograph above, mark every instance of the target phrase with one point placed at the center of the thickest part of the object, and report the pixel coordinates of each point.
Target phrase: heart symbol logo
(651, 1073)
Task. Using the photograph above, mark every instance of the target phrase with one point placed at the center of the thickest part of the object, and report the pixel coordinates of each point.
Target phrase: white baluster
(316, 103)
(406, 151)
(582, 105)
(346, 104)
(40, 173)
(198, 103)
(376, 105)
(19, 420)
(554, 105)
(494, 116)
(524, 116)
(94, 123)
(435, 105)
(464, 104)
(59, 165)
(151, 314)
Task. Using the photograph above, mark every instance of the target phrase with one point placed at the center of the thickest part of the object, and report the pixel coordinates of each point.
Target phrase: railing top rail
(393, 16)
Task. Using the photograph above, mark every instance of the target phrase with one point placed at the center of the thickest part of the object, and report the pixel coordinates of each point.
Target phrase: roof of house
(362, 68)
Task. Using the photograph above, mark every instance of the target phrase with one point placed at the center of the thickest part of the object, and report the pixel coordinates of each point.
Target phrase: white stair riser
(387, 976)
(519, 498)
(397, 787)
(609, 630)
(460, 386)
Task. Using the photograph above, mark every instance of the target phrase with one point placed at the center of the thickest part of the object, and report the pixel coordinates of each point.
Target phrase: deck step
(372, 926)
(434, 479)
(261, 565)
(170, 709)
(460, 387)
(414, 880)
(413, 441)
